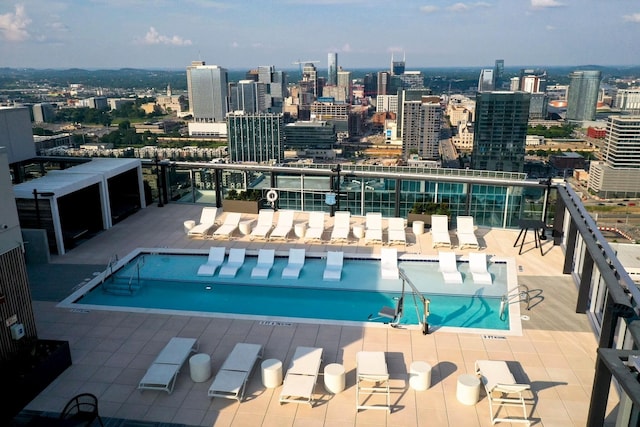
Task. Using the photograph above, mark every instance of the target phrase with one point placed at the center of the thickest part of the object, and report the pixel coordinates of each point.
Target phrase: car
(621, 204)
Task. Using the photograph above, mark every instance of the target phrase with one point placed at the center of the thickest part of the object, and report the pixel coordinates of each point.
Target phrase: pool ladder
(522, 295)
(133, 282)
(108, 271)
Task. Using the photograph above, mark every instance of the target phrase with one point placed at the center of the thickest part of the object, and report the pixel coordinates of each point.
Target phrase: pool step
(121, 287)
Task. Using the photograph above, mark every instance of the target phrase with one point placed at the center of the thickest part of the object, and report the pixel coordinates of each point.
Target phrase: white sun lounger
(465, 232)
(448, 267)
(207, 221)
(264, 225)
(233, 264)
(478, 268)
(265, 263)
(396, 231)
(230, 224)
(389, 263)
(301, 377)
(333, 269)
(295, 264)
(373, 228)
(215, 260)
(231, 380)
(162, 373)
(284, 225)
(315, 230)
(341, 226)
(440, 231)
(502, 390)
(372, 378)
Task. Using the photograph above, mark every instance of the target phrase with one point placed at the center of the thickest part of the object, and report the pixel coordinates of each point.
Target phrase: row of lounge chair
(465, 232)
(447, 265)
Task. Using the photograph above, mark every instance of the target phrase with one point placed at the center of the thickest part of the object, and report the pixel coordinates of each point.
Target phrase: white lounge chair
(207, 221)
(284, 225)
(341, 227)
(440, 231)
(396, 231)
(264, 264)
(465, 232)
(162, 373)
(229, 226)
(264, 225)
(315, 230)
(295, 264)
(449, 268)
(233, 264)
(215, 260)
(231, 380)
(301, 377)
(478, 268)
(502, 390)
(333, 269)
(389, 263)
(373, 228)
(372, 378)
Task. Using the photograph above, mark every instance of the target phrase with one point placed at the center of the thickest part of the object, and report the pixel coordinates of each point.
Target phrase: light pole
(158, 182)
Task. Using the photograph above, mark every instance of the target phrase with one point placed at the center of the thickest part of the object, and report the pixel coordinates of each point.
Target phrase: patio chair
(502, 390)
(265, 263)
(229, 226)
(301, 377)
(295, 264)
(341, 227)
(234, 262)
(373, 228)
(333, 269)
(231, 380)
(396, 232)
(284, 225)
(449, 268)
(207, 221)
(478, 268)
(372, 378)
(264, 225)
(215, 260)
(82, 409)
(163, 372)
(315, 230)
(440, 231)
(465, 232)
(389, 263)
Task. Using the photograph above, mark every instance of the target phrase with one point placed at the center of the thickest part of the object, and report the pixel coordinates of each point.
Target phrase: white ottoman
(468, 389)
(418, 227)
(271, 373)
(188, 225)
(358, 231)
(200, 367)
(420, 376)
(334, 378)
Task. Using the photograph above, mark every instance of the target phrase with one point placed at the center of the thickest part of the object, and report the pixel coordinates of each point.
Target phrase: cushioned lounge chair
(389, 263)
(341, 227)
(162, 373)
(478, 268)
(315, 230)
(229, 226)
(440, 231)
(372, 378)
(396, 232)
(233, 264)
(373, 228)
(448, 267)
(502, 390)
(264, 264)
(295, 263)
(264, 225)
(207, 221)
(301, 376)
(466, 233)
(284, 225)
(215, 260)
(231, 380)
(333, 269)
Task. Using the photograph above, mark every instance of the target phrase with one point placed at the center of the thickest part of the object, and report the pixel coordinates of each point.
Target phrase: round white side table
(271, 373)
(358, 231)
(300, 229)
(188, 225)
(420, 376)
(468, 389)
(245, 227)
(200, 367)
(334, 378)
(418, 227)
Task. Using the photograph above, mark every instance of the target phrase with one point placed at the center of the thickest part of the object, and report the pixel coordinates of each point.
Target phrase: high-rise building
(255, 137)
(498, 74)
(486, 82)
(370, 85)
(344, 82)
(628, 100)
(332, 60)
(383, 83)
(207, 87)
(397, 67)
(422, 121)
(406, 95)
(43, 112)
(243, 96)
(310, 78)
(316, 134)
(272, 89)
(582, 98)
(500, 131)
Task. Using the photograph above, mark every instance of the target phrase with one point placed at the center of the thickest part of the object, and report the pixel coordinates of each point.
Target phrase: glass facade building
(582, 97)
(255, 137)
(207, 85)
(332, 61)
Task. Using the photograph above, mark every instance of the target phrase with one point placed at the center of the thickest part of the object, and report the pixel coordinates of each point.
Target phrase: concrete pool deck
(112, 350)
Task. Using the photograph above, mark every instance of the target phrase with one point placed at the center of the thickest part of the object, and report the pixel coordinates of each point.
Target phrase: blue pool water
(170, 282)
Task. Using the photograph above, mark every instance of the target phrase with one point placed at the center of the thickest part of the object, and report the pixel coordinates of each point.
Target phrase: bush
(431, 208)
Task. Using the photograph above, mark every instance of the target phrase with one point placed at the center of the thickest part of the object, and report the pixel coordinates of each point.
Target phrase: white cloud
(346, 48)
(235, 45)
(550, 28)
(635, 17)
(542, 4)
(463, 7)
(13, 26)
(429, 9)
(153, 37)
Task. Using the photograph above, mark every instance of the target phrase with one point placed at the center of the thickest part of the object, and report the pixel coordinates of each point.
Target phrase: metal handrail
(507, 299)
(136, 273)
(425, 301)
(108, 271)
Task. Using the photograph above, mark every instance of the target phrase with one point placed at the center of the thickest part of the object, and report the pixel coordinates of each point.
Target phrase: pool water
(170, 282)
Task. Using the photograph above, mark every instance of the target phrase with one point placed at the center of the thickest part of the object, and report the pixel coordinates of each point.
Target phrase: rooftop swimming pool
(166, 281)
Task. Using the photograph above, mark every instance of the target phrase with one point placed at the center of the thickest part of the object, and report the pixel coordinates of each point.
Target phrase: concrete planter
(242, 206)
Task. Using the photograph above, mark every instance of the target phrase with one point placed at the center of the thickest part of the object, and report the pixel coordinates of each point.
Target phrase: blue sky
(241, 34)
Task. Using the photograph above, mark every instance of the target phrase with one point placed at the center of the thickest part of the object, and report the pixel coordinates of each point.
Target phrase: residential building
(344, 83)
(463, 139)
(207, 86)
(406, 95)
(500, 131)
(332, 61)
(628, 100)
(388, 103)
(346, 122)
(383, 83)
(582, 97)
(255, 137)
(421, 123)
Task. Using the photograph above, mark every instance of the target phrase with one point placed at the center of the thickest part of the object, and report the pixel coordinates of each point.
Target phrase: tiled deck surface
(112, 350)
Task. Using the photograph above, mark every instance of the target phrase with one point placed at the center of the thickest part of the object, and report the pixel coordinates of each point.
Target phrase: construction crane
(299, 63)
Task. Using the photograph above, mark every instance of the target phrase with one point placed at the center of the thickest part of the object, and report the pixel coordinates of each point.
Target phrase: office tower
(498, 74)
(485, 82)
(421, 123)
(207, 86)
(310, 78)
(370, 85)
(582, 98)
(383, 83)
(514, 84)
(255, 137)
(500, 131)
(43, 112)
(332, 77)
(344, 82)
(272, 89)
(538, 109)
(319, 135)
(397, 67)
(243, 96)
(628, 100)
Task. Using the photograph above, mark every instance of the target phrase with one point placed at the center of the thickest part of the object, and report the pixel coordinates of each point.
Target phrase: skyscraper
(422, 121)
(397, 67)
(500, 131)
(582, 98)
(255, 137)
(243, 96)
(498, 74)
(207, 87)
(486, 82)
(344, 82)
(332, 78)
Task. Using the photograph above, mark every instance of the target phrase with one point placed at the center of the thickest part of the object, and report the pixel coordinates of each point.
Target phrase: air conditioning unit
(17, 331)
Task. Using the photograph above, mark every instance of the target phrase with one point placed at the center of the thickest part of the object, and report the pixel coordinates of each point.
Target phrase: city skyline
(434, 33)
